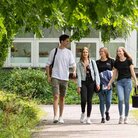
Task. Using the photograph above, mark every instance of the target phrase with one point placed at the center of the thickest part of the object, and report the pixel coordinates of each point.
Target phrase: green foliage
(114, 95)
(32, 84)
(17, 116)
(4, 75)
(114, 18)
(5, 43)
(135, 113)
(2, 28)
(29, 83)
(72, 96)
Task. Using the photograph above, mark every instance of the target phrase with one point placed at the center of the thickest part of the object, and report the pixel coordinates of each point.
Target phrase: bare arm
(48, 75)
(133, 74)
(74, 70)
(115, 73)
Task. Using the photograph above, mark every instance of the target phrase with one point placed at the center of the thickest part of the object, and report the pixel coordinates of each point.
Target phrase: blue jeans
(124, 87)
(105, 96)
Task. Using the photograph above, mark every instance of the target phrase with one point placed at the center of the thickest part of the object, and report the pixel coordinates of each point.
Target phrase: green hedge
(17, 116)
(4, 76)
(32, 83)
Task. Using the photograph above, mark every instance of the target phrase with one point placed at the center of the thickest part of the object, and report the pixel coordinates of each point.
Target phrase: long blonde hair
(81, 57)
(105, 51)
(125, 54)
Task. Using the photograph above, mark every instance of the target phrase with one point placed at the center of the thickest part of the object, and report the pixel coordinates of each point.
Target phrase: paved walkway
(72, 128)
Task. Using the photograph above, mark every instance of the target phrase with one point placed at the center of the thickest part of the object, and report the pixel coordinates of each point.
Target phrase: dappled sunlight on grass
(135, 113)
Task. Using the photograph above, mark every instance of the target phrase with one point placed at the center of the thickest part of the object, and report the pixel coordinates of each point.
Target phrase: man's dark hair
(63, 37)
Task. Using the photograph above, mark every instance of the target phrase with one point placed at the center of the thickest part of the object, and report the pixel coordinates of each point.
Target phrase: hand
(98, 87)
(74, 74)
(109, 86)
(78, 90)
(136, 84)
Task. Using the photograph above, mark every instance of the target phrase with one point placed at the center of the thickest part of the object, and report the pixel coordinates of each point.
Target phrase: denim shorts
(59, 86)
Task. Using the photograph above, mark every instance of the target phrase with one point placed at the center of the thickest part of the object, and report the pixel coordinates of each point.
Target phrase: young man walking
(60, 75)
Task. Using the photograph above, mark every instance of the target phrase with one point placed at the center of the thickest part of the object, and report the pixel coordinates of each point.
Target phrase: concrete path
(72, 128)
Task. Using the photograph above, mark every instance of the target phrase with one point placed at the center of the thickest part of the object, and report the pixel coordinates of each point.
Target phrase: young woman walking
(105, 66)
(124, 69)
(87, 75)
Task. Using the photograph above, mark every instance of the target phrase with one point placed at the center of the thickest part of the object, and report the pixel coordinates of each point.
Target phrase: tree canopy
(113, 18)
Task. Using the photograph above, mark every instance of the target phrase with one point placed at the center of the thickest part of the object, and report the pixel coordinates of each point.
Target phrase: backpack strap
(52, 64)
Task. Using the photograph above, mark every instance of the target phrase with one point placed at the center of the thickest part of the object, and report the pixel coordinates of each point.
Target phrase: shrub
(17, 117)
(72, 96)
(4, 75)
(31, 83)
(114, 96)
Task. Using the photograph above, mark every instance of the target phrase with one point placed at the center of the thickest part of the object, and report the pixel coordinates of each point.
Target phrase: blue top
(105, 77)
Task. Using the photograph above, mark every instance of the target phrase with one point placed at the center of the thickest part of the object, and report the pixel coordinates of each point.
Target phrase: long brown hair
(125, 54)
(105, 51)
(81, 57)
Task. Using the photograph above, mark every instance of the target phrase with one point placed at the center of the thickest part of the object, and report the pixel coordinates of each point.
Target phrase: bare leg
(55, 104)
(61, 105)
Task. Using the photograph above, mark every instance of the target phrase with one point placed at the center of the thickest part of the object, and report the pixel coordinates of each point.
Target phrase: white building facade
(29, 51)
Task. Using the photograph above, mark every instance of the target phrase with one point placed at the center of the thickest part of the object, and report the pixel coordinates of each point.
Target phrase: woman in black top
(124, 69)
(105, 66)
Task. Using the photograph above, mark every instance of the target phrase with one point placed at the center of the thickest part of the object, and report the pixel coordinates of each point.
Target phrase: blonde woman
(124, 69)
(86, 80)
(105, 66)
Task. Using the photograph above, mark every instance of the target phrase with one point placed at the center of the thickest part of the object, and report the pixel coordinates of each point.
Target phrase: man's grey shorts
(59, 86)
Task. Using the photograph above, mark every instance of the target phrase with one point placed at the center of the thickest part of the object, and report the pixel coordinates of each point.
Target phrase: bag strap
(135, 90)
(54, 58)
(93, 69)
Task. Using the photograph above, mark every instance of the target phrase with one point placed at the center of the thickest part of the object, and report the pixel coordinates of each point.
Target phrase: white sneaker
(55, 120)
(88, 120)
(82, 118)
(60, 120)
(125, 120)
(120, 120)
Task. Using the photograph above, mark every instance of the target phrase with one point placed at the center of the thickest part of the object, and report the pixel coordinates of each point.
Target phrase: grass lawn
(135, 113)
(135, 110)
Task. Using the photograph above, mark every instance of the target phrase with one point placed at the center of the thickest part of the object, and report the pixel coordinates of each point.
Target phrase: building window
(92, 50)
(21, 52)
(44, 50)
(112, 47)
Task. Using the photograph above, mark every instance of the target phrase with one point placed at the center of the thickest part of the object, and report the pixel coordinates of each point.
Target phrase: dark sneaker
(107, 116)
(103, 120)
(55, 120)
